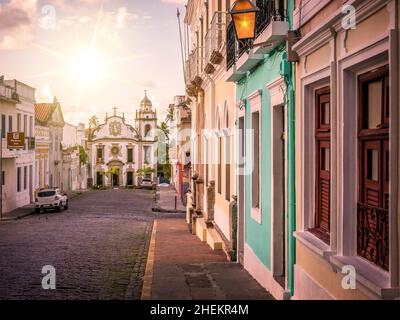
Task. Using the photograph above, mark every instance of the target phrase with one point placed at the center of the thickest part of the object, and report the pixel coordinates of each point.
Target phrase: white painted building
(17, 115)
(179, 150)
(49, 121)
(118, 149)
(74, 171)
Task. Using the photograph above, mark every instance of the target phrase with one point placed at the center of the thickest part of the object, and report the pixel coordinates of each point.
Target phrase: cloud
(12, 17)
(17, 23)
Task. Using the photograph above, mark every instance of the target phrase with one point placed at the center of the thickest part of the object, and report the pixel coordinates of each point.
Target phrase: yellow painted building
(213, 113)
(347, 150)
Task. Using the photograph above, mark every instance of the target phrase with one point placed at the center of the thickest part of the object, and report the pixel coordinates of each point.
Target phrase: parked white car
(146, 182)
(50, 199)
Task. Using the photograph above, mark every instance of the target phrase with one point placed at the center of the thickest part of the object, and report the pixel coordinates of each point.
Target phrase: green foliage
(93, 122)
(113, 171)
(83, 156)
(170, 113)
(144, 171)
(167, 171)
(165, 129)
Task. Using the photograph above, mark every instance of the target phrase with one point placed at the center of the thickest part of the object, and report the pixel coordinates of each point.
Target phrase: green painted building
(265, 156)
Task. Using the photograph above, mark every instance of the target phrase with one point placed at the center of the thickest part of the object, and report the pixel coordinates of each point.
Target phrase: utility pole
(178, 14)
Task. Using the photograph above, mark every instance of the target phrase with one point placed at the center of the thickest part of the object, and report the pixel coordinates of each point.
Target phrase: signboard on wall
(15, 140)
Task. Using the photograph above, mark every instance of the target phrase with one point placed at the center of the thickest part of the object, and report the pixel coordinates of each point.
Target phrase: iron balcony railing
(194, 65)
(373, 234)
(268, 13)
(230, 45)
(215, 37)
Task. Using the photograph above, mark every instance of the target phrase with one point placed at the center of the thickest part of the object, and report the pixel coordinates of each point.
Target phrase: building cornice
(325, 31)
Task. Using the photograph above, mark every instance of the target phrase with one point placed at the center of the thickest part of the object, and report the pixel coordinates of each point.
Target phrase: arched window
(219, 152)
(227, 155)
(226, 115)
(147, 130)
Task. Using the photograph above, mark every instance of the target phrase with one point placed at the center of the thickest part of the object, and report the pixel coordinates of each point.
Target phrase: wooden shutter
(323, 166)
(373, 206)
(324, 188)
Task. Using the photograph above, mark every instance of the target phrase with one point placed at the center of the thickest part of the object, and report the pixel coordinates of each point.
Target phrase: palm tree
(170, 113)
(93, 122)
(165, 129)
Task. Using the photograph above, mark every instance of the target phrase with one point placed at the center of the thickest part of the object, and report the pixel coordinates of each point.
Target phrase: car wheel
(66, 205)
(59, 208)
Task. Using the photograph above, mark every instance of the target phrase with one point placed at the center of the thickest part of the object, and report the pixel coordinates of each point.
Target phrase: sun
(88, 66)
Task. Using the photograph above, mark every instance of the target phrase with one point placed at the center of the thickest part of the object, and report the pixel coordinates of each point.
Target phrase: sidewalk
(19, 213)
(29, 209)
(166, 200)
(181, 267)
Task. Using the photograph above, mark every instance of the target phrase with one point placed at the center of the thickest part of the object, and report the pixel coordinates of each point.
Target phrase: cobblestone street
(98, 248)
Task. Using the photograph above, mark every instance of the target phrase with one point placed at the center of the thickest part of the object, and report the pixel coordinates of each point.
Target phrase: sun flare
(88, 66)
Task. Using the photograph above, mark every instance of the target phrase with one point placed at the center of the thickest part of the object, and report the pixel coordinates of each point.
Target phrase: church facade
(118, 150)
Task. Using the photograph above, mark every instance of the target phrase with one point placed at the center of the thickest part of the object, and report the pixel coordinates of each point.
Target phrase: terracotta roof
(43, 111)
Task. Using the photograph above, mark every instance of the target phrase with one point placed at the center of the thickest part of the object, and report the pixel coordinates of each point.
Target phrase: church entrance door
(115, 180)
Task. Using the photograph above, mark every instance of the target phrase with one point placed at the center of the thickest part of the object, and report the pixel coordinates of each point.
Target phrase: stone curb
(148, 275)
(158, 209)
(33, 210)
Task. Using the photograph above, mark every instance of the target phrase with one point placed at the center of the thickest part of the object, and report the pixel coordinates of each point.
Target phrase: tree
(165, 129)
(144, 171)
(170, 113)
(93, 122)
(83, 156)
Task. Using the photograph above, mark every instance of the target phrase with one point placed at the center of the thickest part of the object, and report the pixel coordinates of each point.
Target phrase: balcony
(8, 94)
(193, 70)
(214, 42)
(373, 234)
(271, 27)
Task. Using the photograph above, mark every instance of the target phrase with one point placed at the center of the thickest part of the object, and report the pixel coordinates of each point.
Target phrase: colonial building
(118, 149)
(264, 171)
(179, 146)
(49, 122)
(17, 116)
(212, 104)
(347, 150)
(75, 158)
(243, 139)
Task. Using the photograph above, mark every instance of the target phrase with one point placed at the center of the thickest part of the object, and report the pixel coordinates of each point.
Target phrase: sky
(94, 55)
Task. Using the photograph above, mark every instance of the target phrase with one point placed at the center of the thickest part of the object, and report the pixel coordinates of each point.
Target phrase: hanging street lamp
(244, 14)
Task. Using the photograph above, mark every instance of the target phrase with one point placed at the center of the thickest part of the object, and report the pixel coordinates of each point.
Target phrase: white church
(119, 149)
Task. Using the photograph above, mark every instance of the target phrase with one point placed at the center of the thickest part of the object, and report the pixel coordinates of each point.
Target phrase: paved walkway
(98, 248)
(19, 213)
(166, 200)
(181, 267)
(29, 209)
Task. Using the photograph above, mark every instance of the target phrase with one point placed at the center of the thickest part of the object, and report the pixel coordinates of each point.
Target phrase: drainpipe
(291, 224)
(291, 182)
